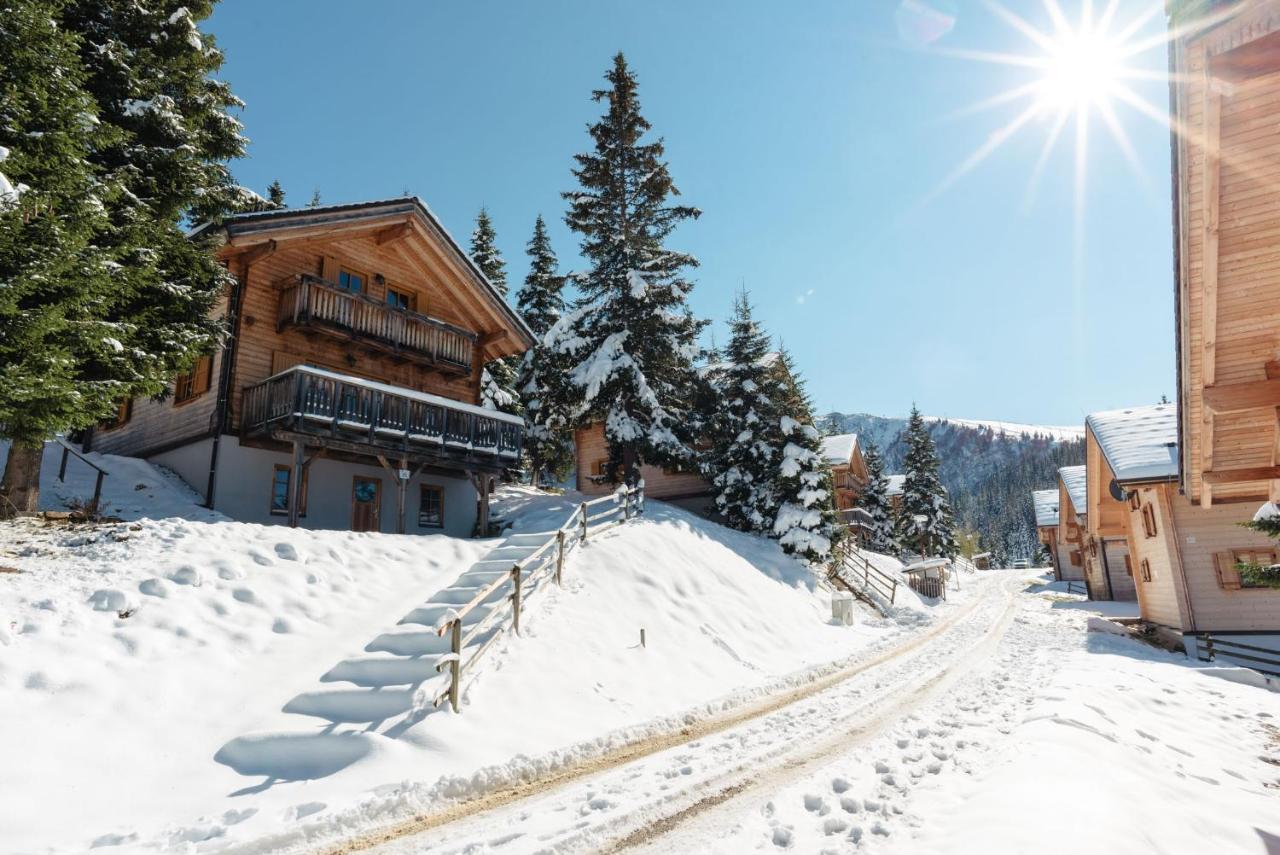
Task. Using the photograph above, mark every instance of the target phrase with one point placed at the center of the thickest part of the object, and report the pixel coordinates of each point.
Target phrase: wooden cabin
(346, 394)
(893, 490)
(1071, 523)
(686, 488)
(1107, 566)
(843, 455)
(1048, 519)
(1226, 158)
(1183, 554)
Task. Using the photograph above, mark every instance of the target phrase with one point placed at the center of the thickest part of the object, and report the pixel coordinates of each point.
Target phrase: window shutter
(1228, 575)
(202, 375)
(1128, 565)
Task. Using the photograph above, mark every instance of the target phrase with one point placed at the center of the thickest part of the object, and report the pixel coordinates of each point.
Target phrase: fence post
(515, 598)
(62, 470)
(626, 506)
(559, 556)
(1208, 647)
(455, 667)
(97, 493)
(584, 522)
(893, 592)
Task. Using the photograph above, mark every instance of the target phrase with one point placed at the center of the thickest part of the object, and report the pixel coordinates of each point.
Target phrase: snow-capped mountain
(989, 468)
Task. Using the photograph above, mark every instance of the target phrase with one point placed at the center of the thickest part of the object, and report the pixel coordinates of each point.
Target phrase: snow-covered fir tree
(498, 379)
(631, 340)
(875, 501)
(806, 523)
(924, 522)
(275, 195)
(138, 102)
(746, 427)
(548, 444)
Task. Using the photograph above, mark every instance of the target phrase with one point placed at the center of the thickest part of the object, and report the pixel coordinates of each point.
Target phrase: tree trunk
(20, 489)
(630, 471)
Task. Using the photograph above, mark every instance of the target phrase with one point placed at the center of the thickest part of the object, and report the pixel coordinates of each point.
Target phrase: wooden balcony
(310, 302)
(363, 417)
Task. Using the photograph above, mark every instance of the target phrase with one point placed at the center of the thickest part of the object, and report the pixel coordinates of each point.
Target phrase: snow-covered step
(376, 672)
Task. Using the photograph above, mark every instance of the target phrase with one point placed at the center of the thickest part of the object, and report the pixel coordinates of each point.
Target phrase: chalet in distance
(346, 394)
(1047, 503)
(1184, 555)
(1107, 565)
(843, 455)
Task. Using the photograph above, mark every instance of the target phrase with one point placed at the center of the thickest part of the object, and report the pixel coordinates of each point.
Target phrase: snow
(1073, 478)
(894, 484)
(1139, 443)
(1046, 504)
(1059, 433)
(179, 681)
(9, 192)
(839, 448)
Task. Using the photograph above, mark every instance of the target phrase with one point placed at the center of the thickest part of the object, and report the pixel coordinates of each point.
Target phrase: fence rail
(1208, 647)
(854, 572)
(67, 452)
(523, 580)
(926, 587)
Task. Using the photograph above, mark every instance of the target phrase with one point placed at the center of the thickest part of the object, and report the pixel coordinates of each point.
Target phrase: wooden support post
(1211, 186)
(455, 667)
(97, 493)
(584, 522)
(559, 556)
(295, 483)
(482, 516)
(516, 583)
(402, 487)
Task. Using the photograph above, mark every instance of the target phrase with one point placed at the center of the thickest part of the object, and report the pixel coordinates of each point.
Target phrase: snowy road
(690, 793)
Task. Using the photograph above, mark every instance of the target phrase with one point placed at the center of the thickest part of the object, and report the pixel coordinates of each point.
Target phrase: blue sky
(812, 135)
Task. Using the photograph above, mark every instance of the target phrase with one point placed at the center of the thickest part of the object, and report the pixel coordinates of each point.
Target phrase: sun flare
(1081, 70)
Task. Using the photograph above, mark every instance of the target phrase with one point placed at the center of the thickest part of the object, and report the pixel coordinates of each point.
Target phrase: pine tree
(157, 148)
(498, 380)
(315, 199)
(875, 501)
(806, 524)
(549, 438)
(631, 338)
(275, 195)
(746, 430)
(924, 522)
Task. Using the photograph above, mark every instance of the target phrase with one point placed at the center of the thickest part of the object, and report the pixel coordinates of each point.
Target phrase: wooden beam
(1273, 492)
(1236, 397)
(258, 252)
(393, 234)
(1211, 151)
(1237, 476)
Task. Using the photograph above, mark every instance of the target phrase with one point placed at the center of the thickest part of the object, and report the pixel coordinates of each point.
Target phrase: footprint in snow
(260, 558)
(839, 785)
(782, 837)
(815, 803)
(245, 595)
(286, 552)
(303, 810)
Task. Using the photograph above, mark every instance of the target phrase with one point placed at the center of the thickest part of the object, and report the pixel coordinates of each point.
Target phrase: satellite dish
(1117, 492)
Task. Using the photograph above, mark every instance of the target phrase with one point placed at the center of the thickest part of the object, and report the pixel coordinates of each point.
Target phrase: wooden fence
(522, 580)
(67, 451)
(1208, 647)
(926, 587)
(854, 572)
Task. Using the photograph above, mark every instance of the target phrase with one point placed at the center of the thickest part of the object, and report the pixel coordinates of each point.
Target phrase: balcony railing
(310, 301)
(385, 419)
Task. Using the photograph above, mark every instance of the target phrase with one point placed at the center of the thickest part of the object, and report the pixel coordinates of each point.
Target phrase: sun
(1082, 70)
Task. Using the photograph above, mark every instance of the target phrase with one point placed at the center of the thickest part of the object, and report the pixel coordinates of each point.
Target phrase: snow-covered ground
(179, 680)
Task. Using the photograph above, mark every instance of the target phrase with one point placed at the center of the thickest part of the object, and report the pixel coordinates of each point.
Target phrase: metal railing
(306, 401)
(310, 300)
(67, 452)
(522, 580)
(1209, 646)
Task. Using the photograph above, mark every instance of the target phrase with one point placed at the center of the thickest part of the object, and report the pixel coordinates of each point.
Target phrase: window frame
(352, 271)
(423, 489)
(1149, 520)
(186, 386)
(124, 415)
(288, 478)
(1144, 568)
(1237, 559)
(410, 298)
(1135, 501)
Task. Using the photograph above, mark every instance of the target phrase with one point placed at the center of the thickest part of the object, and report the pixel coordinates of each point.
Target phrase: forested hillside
(989, 473)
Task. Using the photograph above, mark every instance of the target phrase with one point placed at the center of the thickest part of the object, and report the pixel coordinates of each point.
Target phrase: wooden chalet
(894, 485)
(1107, 566)
(843, 455)
(1071, 520)
(1183, 555)
(685, 487)
(346, 393)
(1046, 504)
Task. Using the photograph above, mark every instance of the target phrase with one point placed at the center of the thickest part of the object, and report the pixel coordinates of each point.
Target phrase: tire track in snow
(635, 751)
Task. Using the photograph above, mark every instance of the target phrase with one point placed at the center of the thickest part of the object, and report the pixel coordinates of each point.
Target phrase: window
(1149, 519)
(1075, 558)
(1145, 569)
(430, 507)
(349, 280)
(194, 384)
(1251, 557)
(280, 477)
(1093, 549)
(1128, 566)
(124, 412)
(400, 299)
(1135, 500)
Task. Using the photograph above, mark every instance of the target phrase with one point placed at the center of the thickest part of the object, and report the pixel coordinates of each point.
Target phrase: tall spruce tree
(631, 339)
(498, 380)
(806, 523)
(924, 522)
(158, 150)
(275, 195)
(875, 501)
(746, 431)
(549, 439)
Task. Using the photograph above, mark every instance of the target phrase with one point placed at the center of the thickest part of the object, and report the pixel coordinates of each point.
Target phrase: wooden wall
(1160, 598)
(658, 483)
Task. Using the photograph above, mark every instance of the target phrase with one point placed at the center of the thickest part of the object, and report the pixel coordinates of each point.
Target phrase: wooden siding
(658, 483)
(1228, 204)
(1160, 599)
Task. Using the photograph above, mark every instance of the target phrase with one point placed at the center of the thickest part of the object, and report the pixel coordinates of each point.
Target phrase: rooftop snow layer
(894, 484)
(839, 448)
(1046, 502)
(1074, 480)
(1140, 443)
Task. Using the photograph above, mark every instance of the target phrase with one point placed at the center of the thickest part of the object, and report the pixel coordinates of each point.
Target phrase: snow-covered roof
(839, 448)
(894, 484)
(1073, 478)
(425, 397)
(1139, 443)
(1046, 502)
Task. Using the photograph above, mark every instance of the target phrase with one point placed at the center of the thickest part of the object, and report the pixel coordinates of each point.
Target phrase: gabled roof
(1073, 478)
(894, 484)
(264, 222)
(1140, 443)
(839, 448)
(1046, 503)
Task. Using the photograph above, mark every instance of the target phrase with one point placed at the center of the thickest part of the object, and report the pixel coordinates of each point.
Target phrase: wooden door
(366, 502)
